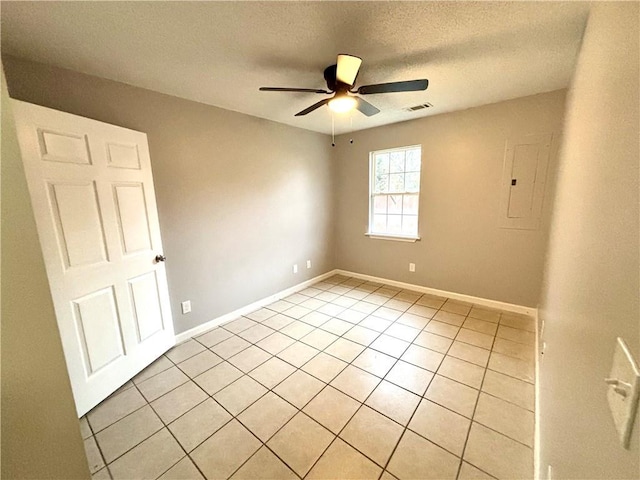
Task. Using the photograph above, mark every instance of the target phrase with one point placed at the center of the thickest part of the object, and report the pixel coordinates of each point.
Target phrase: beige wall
(591, 287)
(462, 248)
(240, 199)
(40, 430)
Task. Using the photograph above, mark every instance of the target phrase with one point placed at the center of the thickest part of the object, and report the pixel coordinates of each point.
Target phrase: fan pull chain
(333, 131)
(351, 128)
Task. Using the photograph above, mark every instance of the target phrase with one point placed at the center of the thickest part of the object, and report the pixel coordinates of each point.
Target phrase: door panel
(64, 147)
(145, 299)
(79, 226)
(132, 217)
(98, 325)
(123, 156)
(92, 194)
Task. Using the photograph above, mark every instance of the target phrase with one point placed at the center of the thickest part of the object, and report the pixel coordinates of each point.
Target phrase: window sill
(397, 238)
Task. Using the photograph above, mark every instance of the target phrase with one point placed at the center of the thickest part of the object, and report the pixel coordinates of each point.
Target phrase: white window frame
(385, 235)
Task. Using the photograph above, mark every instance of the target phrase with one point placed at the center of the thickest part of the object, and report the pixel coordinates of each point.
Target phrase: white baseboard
(536, 413)
(181, 337)
(192, 332)
(510, 307)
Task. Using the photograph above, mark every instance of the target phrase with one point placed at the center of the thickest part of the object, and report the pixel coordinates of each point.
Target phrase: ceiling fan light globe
(342, 104)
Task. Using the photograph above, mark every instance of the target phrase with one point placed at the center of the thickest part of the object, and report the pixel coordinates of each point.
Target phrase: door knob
(160, 258)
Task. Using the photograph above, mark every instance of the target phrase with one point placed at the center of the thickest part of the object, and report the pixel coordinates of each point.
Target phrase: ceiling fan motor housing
(333, 84)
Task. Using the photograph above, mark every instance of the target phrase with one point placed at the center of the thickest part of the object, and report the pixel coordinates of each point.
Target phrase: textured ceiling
(219, 53)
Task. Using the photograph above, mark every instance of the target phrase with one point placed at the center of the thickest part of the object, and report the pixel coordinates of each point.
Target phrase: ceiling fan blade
(348, 67)
(313, 107)
(287, 89)
(408, 86)
(365, 107)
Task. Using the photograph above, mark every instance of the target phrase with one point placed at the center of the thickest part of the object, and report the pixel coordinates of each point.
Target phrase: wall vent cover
(418, 107)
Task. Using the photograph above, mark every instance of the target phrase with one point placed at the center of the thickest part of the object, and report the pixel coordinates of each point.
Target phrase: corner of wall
(591, 274)
(40, 430)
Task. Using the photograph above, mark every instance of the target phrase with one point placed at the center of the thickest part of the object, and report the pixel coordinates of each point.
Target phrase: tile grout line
(300, 340)
(397, 359)
(234, 417)
(380, 333)
(315, 328)
(298, 410)
(95, 440)
(475, 407)
(104, 461)
(141, 441)
(326, 385)
(276, 394)
(351, 363)
(301, 410)
(362, 403)
(165, 426)
(406, 427)
(507, 401)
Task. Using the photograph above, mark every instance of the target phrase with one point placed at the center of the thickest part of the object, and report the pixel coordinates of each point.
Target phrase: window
(394, 192)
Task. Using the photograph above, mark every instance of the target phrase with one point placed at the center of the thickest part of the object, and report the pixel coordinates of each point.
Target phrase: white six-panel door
(92, 194)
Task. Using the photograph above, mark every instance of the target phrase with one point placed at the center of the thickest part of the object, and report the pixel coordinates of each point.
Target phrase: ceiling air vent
(418, 107)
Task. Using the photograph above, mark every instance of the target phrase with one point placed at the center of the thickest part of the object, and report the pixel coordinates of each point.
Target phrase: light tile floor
(345, 379)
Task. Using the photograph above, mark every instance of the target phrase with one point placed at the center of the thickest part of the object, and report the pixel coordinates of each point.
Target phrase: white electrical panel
(622, 394)
(524, 177)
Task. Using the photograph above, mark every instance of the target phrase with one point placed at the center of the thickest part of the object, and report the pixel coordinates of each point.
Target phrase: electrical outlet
(308, 263)
(412, 267)
(186, 306)
(295, 268)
